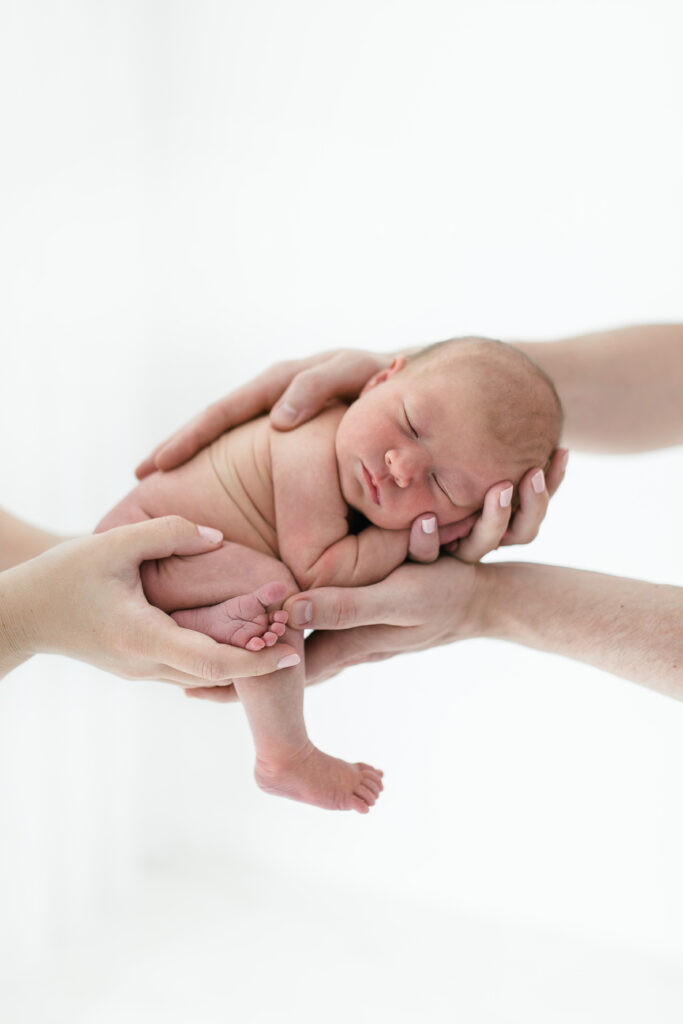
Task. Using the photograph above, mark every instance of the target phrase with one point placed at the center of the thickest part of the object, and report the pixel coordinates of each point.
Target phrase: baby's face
(417, 442)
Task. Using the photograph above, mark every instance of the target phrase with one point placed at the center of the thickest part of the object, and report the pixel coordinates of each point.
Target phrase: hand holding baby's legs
(242, 621)
(287, 763)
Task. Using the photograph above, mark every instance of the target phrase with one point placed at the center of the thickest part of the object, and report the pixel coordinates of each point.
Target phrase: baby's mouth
(370, 484)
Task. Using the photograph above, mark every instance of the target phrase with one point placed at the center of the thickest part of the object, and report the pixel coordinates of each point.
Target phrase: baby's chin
(381, 518)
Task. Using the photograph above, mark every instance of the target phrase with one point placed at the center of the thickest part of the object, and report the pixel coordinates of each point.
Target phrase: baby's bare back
(227, 485)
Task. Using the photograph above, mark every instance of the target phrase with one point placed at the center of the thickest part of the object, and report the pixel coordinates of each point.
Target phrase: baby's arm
(311, 515)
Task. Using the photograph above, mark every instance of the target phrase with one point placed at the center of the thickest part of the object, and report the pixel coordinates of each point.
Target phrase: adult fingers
(219, 694)
(199, 656)
(338, 607)
(328, 653)
(159, 538)
(533, 505)
(489, 529)
(149, 463)
(242, 404)
(556, 469)
(339, 374)
(424, 538)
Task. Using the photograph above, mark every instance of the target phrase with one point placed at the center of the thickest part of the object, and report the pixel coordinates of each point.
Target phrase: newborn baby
(432, 433)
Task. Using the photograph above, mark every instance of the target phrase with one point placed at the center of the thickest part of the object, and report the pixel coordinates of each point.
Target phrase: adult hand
(497, 525)
(84, 598)
(415, 607)
(421, 606)
(302, 386)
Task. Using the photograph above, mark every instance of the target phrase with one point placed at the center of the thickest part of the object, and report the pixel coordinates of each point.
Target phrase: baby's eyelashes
(411, 428)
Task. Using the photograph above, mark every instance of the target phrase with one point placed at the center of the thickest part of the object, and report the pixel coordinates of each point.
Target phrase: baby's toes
(255, 644)
(270, 638)
(277, 628)
(374, 773)
(365, 793)
(281, 616)
(373, 785)
(271, 593)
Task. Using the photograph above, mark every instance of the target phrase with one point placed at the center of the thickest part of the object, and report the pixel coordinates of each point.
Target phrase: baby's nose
(401, 467)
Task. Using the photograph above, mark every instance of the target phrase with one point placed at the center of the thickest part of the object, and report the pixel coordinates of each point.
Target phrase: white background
(189, 191)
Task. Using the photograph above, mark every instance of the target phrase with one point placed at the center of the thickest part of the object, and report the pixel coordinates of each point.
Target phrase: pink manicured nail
(538, 482)
(208, 533)
(506, 497)
(429, 525)
(302, 612)
(563, 461)
(289, 661)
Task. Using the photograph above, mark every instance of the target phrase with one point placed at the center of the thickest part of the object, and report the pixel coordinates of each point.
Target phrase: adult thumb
(168, 535)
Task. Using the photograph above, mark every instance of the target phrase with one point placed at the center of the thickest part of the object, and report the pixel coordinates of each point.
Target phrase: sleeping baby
(331, 504)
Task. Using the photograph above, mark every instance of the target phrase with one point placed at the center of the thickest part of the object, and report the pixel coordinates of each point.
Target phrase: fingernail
(538, 482)
(302, 612)
(208, 533)
(563, 461)
(429, 525)
(506, 497)
(289, 661)
(287, 412)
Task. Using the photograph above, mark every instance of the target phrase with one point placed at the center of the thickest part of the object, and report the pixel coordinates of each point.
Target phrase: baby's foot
(316, 778)
(242, 621)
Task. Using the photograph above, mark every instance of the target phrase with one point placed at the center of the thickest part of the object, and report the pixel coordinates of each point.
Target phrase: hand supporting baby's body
(256, 486)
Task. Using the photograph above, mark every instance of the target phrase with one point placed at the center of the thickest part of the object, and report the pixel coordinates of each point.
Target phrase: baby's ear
(397, 363)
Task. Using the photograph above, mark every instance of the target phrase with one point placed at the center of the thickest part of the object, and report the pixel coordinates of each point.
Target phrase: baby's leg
(287, 763)
(243, 621)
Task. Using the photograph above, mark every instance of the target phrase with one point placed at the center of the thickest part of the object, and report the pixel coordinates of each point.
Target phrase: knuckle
(175, 525)
(341, 611)
(211, 670)
(309, 380)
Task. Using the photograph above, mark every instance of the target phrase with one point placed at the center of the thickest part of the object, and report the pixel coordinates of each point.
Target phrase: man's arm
(630, 628)
(621, 389)
(627, 627)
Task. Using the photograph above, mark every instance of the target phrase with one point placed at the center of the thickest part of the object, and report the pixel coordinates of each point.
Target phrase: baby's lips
(455, 531)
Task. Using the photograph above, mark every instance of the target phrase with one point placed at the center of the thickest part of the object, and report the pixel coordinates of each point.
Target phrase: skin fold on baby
(432, 435)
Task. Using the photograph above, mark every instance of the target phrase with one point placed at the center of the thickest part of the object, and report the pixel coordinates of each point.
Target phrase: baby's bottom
(201, 594)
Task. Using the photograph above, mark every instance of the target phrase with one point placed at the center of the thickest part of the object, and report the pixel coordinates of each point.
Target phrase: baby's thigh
(197, 580)
(127, 511)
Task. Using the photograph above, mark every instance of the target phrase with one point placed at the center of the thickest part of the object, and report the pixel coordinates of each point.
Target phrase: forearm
(357, 561)
(15, 610)
(630, 628)
(20, 541)
(620, 389)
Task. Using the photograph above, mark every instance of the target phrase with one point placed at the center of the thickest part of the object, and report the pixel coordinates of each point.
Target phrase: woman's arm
(621, 389)
(20, 541)
(84, 598)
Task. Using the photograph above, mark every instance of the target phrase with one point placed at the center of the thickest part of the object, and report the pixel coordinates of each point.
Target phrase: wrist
(489, 605)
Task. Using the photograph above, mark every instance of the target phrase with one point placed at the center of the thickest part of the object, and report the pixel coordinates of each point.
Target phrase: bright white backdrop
(188, 192)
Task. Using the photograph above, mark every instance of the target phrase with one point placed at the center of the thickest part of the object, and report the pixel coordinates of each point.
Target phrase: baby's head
(436, 431)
